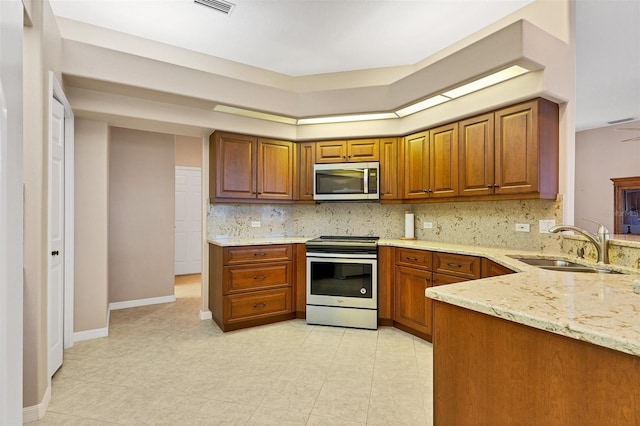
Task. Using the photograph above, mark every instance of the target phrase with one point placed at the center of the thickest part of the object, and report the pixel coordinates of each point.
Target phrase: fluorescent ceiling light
(487, 81)
(254, 114)
(347, 118)
(419, 106)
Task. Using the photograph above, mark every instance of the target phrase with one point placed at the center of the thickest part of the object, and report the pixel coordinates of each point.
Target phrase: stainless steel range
(342, 281)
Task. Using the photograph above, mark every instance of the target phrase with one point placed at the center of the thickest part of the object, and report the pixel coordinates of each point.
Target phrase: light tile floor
(162, 365)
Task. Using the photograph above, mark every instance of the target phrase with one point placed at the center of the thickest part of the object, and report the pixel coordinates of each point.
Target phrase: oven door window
(342, 279)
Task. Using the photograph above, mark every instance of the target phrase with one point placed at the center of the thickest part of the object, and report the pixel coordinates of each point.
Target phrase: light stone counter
(231, 242)
(598, 308)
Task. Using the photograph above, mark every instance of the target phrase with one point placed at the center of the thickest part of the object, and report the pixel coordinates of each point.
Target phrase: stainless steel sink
(555, 264)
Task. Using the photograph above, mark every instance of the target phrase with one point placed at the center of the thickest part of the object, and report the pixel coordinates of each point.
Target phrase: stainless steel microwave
(346, 181)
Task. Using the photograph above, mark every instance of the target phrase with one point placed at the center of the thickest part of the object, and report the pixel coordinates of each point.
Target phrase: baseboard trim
(205, 315)
(37, 412)
(141, 302)
(96, 333)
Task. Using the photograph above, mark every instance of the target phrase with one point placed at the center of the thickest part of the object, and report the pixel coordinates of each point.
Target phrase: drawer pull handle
(454, 265)
(259, 277)
(260, 254)
(412, 258)
(260, 305)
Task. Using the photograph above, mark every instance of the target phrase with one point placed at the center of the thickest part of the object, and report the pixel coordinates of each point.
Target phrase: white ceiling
(303, 37)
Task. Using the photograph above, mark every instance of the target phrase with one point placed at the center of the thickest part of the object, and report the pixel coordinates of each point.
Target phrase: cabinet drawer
(246, 254)
(415, 258)
(457, 264)
(257, 304)
(254, 277)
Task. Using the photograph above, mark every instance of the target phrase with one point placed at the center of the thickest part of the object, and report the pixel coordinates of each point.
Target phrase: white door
(55, 288)
(188, 220)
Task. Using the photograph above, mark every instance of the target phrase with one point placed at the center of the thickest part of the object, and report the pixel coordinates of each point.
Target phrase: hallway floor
(162, 365)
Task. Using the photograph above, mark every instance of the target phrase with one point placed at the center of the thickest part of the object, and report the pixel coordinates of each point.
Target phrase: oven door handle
(342, 255)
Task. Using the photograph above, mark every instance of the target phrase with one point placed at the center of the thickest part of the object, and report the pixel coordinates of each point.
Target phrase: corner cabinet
(249, 168)
(513, 150)
(251, 285)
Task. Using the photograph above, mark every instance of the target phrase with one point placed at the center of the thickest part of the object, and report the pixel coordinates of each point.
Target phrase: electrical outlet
(544, 225)
(255, 224)
(523, 227)
(427, 225)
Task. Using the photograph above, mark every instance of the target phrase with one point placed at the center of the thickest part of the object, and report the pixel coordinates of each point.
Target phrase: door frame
(55, 91)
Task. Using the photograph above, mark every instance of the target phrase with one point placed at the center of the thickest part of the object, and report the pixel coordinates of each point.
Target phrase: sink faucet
(601, 240)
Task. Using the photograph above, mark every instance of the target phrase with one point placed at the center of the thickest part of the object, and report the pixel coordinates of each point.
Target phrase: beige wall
(141, 215)
(42, 49)
(601, 156)
(188, 151)
(91, 299)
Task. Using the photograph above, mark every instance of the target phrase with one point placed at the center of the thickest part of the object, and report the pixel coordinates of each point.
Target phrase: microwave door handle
(366, 181)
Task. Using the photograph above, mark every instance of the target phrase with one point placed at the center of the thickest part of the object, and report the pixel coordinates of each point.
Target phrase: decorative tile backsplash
(488, 223)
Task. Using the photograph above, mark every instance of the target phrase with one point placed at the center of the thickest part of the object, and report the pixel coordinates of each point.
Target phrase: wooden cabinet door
(362, 150)
(416, 166)
(516, 149)
(331, 152)
(275, 169)
(493, 269)
(389, 169)
(476, 155)
(443, 166)
(306, 160)
(413, 308)
(234, 165)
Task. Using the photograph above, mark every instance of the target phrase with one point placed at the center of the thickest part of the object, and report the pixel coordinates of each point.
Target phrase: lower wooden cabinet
(251, 285)
(413, 309)
(256, 305)
(416, 270)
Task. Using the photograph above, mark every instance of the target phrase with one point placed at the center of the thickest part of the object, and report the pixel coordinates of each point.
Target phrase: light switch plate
(545, 224)
(523, 227)
(255, 224)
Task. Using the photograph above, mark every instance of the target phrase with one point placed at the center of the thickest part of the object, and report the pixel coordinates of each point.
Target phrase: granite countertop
(598, 308)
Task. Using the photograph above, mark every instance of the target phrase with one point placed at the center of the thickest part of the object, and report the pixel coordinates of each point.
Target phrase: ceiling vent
(219, 5)
(622, 120)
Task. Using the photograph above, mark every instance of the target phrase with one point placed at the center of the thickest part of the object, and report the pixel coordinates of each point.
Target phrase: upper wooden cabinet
(347, 151)
(389, 169)
(415, 153)
(431, 163)
(511, 151)
(246, 167)
(306, 160)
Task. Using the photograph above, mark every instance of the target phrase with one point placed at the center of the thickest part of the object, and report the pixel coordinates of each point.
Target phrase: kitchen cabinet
(248, 168)
(389, 163)
(514, 150)
(415, 173)
(417, 270)
(492, 371)
(351, 151)
(306, 160)
(493, 269)
(431, 163)
(250, 285)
